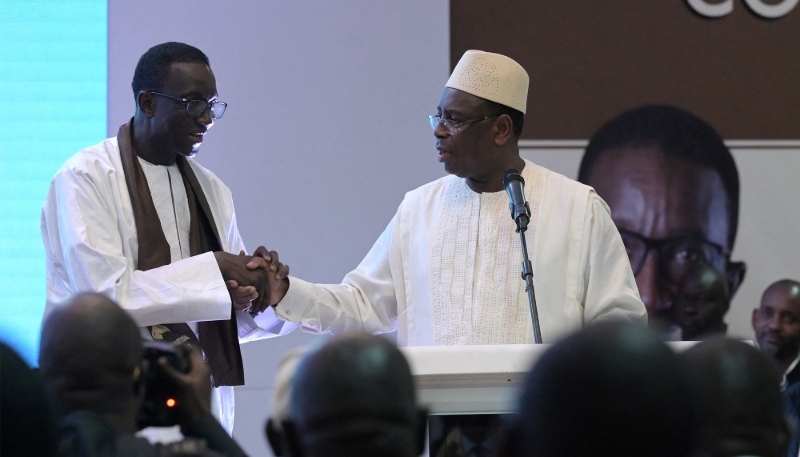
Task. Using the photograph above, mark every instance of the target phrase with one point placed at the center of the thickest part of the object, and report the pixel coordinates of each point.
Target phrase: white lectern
(475, 379)
(470, 379)
(466, 380)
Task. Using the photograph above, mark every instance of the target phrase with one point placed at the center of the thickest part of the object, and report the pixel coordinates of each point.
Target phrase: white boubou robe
(91, 244)
(447, 269)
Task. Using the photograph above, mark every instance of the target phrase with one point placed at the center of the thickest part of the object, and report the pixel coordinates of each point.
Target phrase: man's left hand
(242, 296)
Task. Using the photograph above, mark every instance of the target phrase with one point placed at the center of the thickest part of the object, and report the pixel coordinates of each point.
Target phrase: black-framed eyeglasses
(452, 126)
(196, 108)
(676, 256)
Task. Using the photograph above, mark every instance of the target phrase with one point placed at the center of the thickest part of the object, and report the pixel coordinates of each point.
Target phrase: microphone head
(512, 174)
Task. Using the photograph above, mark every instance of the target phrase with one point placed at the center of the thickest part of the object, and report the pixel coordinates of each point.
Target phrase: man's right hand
(278, 273)
(234, 268)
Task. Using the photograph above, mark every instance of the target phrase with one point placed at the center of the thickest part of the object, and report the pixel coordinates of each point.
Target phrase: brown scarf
(218, 339)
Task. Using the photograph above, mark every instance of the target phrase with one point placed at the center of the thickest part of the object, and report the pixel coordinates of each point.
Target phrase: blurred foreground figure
(93, 371)
(612, 390)
(354, 397)
(281, 393)
(741, 406)
(26, 425)
(776, 324)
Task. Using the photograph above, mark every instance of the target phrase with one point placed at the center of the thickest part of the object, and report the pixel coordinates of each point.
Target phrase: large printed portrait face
(672, 187)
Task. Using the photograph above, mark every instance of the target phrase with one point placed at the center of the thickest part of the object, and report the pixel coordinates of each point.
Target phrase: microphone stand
(527, 275)
(521, 213)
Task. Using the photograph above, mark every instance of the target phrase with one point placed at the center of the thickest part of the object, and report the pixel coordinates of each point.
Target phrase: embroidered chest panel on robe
(477, 292)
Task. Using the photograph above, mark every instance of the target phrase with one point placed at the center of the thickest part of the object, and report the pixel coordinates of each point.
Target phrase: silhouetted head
(740, 400)
(354, 397)
(26, 424)
(90, 357)
(613, 389)
(673, 189)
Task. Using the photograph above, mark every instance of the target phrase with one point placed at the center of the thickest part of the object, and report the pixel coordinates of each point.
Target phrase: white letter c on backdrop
(715, 10)
(771, 11)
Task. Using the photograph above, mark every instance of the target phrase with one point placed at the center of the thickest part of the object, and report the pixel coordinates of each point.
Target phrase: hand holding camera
(177, 386)
(192, 388)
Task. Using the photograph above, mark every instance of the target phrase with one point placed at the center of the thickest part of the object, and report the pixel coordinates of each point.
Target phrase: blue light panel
(53, 74)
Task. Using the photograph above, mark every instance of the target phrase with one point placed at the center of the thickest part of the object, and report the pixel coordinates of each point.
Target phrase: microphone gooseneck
(514, 184)
(521, 213)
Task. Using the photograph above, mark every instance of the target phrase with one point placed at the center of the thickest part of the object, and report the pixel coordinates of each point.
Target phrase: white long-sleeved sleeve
(85, 251)
(263, 325)
(609, 285)
(366, 301)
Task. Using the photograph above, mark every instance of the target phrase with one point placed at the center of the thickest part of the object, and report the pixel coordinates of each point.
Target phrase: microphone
(515, 187)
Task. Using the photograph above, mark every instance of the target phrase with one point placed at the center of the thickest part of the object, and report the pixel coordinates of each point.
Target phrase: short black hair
(154, 65)
(517, 117)
(677, 133)
(355, 396)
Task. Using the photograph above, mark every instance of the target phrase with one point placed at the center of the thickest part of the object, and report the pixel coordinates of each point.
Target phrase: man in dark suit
(777, 326)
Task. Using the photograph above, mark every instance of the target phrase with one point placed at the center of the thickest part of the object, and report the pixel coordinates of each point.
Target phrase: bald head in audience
(700, 306)
(354, 397)
(740, 400)
(612, 390)
(776, 323)
(89, 358)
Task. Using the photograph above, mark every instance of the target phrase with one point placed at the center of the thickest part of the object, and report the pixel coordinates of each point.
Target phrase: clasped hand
(254, 282)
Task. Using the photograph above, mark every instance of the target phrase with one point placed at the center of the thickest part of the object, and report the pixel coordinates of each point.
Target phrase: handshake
(254, 282)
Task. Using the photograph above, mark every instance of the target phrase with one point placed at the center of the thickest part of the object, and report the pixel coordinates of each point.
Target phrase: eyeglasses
(452, 126)
(196, 108)
(676, 256)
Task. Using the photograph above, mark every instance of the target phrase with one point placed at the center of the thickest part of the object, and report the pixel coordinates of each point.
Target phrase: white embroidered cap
(491, 76)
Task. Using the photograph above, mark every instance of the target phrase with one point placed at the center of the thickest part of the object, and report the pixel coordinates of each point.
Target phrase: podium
(476, 379)
(468, 387)
(466, 381)
(471, 379)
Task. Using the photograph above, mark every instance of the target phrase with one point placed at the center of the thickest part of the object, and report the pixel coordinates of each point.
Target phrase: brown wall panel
(592, 59)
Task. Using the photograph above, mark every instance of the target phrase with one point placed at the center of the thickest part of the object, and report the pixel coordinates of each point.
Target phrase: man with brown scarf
(135, 218)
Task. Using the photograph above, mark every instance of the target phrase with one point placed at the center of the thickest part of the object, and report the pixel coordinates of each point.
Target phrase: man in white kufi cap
(446, 271)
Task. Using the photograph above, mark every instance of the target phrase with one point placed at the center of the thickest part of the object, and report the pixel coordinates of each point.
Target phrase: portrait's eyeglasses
(196, 108)
(676, 256)
(452, 126)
